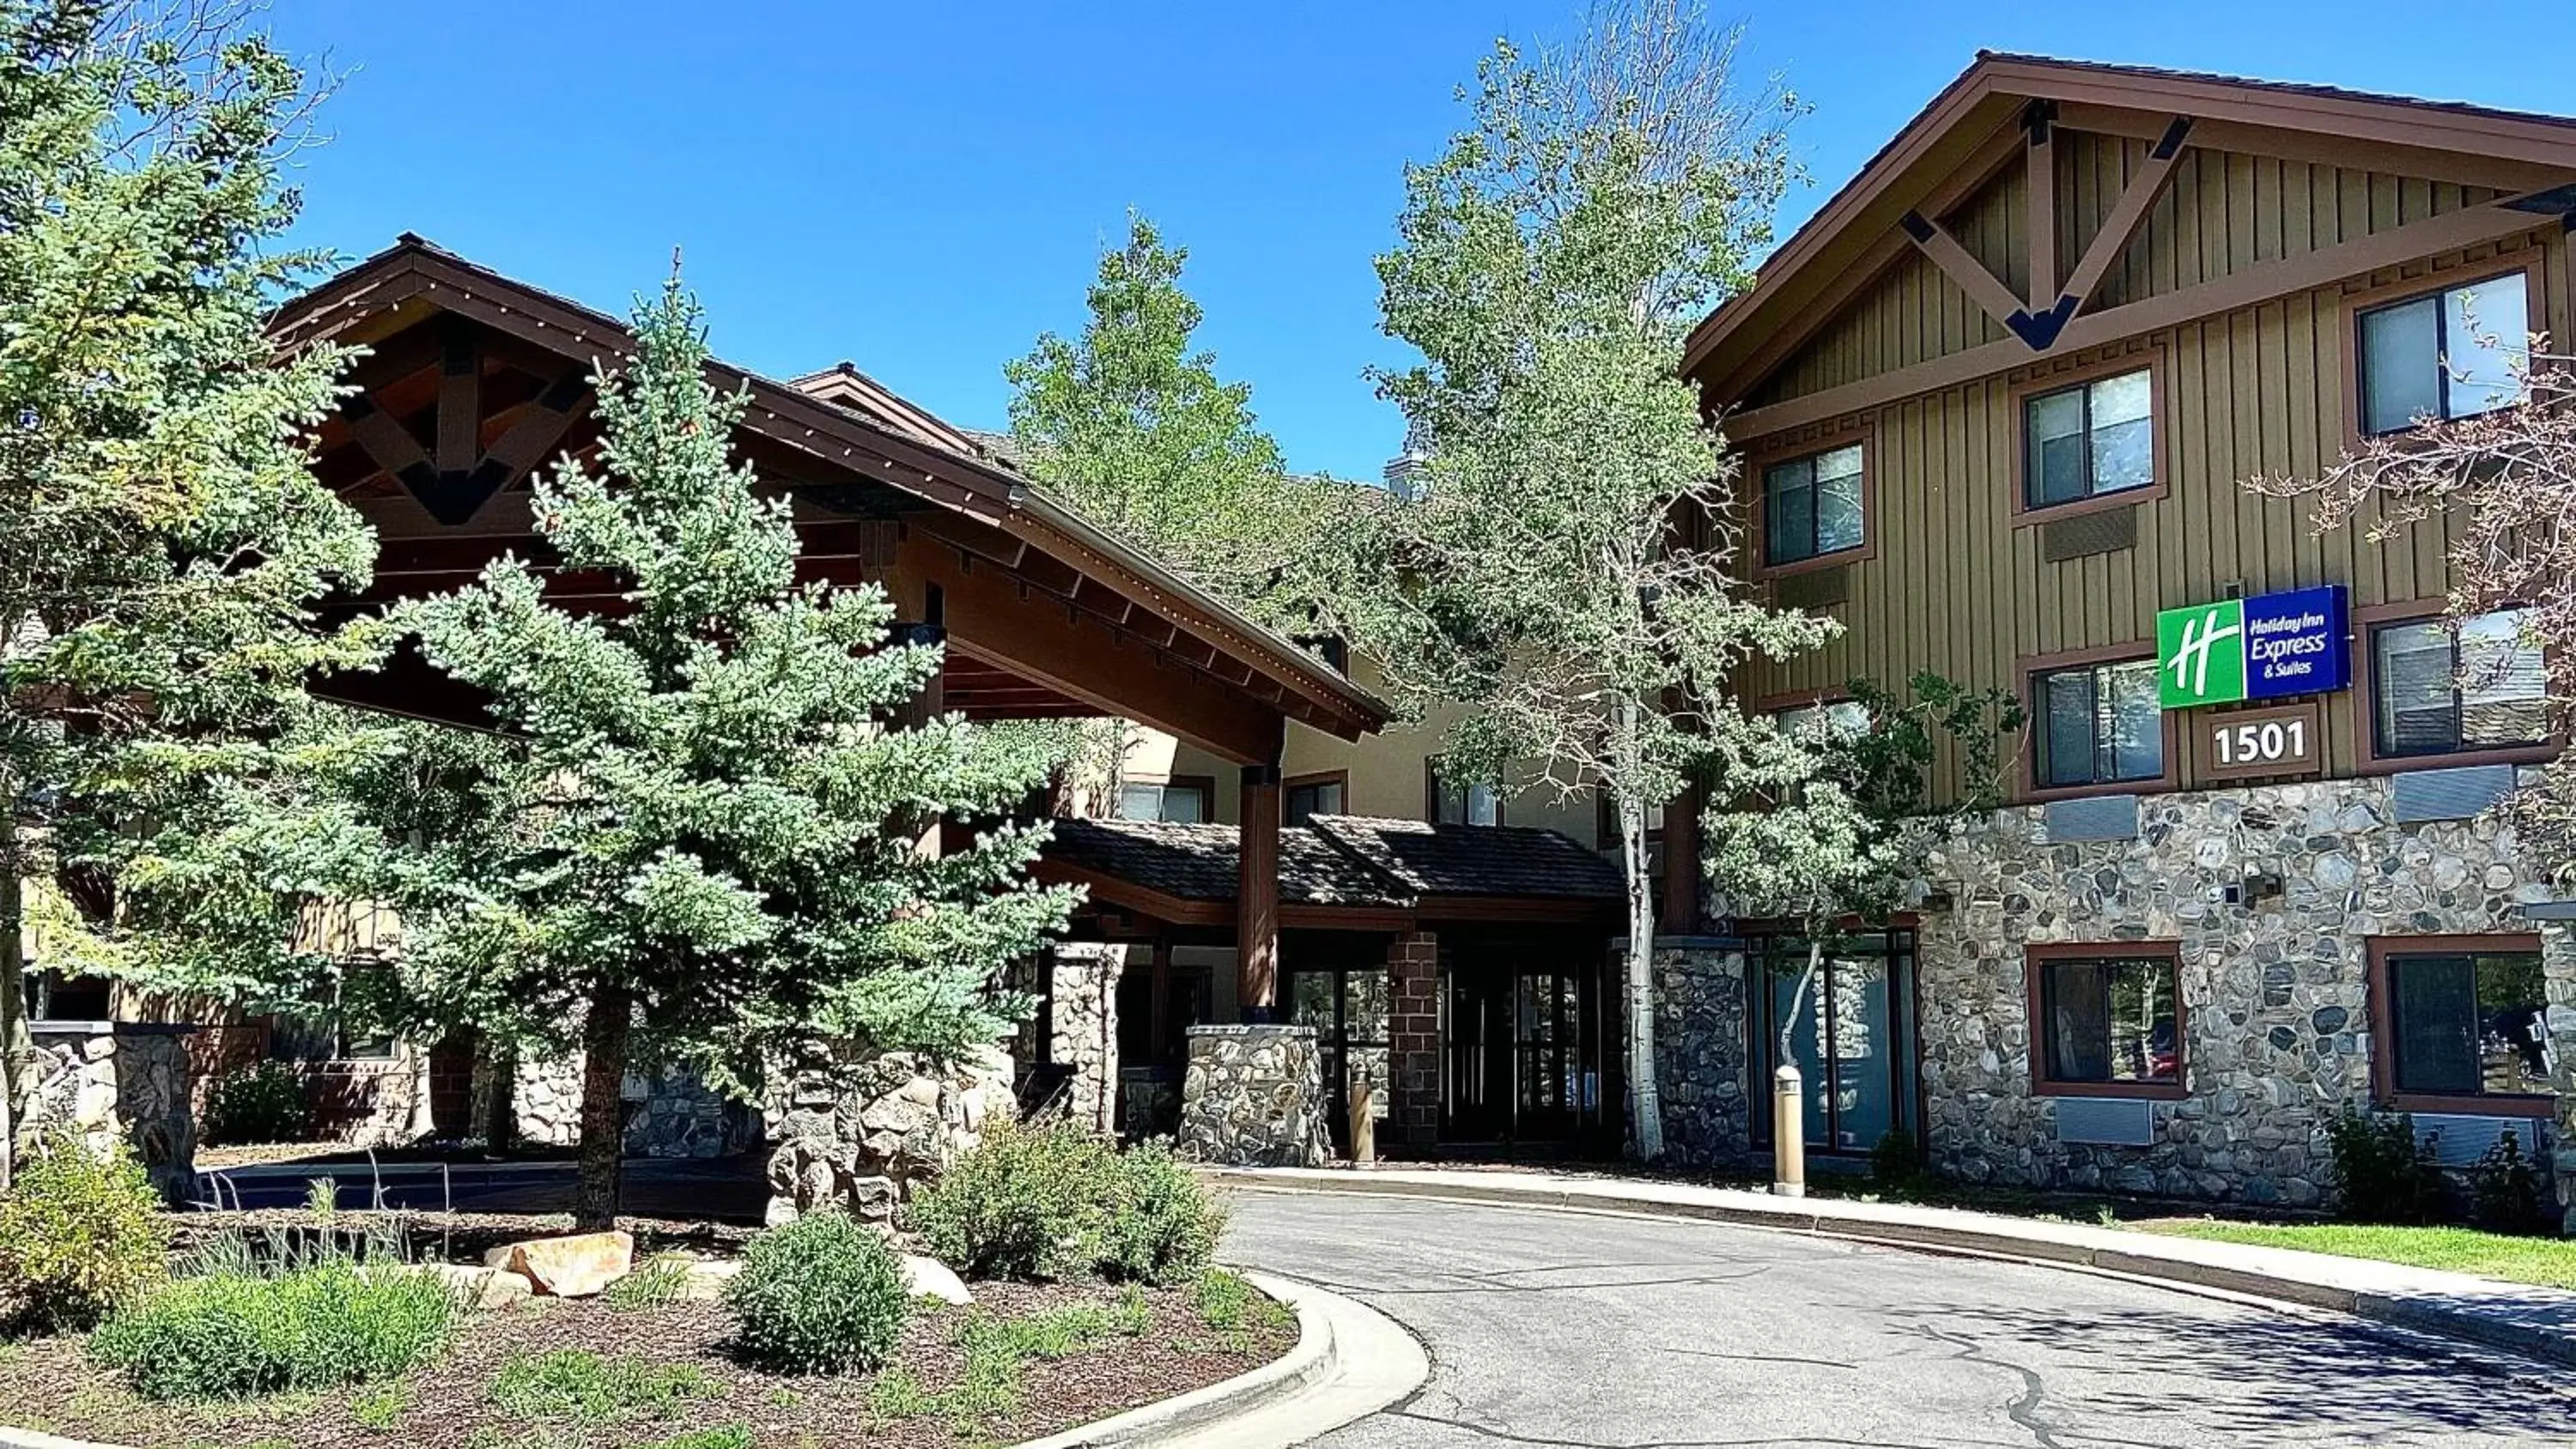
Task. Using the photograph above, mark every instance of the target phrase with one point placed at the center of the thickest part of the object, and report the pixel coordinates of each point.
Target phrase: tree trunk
(1645, 1098)
(17, 1048)
(603, 1109)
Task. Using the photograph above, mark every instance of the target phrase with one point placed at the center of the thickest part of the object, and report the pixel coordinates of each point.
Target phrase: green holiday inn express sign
(2259, 648)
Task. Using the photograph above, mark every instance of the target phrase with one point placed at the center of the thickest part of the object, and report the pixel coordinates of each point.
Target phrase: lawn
(2549, 1262)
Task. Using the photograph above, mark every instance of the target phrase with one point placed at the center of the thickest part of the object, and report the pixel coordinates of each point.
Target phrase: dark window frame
(2459, 750)
(2037, 961)
(2386, 954)
(1814, 555)
(1289, 787)
(1204, 785)
(2036, 673)
(2404, 294)
(2091, 494)
(1431, 799)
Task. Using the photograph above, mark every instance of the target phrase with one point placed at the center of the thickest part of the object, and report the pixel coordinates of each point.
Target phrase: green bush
(2386, 1174)
(263, 1102)
(578, 1386)
(1163, 1222)
(79, 1235)
(658, 1280)
(1030, 1203)
(819, 1295)
(229, 1336)
(2505, 1192)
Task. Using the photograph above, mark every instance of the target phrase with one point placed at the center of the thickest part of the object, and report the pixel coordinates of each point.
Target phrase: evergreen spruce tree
(703, 847)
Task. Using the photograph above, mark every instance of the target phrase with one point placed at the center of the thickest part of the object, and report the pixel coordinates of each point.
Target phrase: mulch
(50, 1386)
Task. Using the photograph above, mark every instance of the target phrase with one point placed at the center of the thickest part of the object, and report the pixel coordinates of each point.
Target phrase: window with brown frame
(1812, 506)
(1307, 796)
(1181, 800)
(1448, 804)
(2107, 1019)
(2099, 724)
(2090, 439)
(2460, 1023)
(2449, 352)
(2440, 690)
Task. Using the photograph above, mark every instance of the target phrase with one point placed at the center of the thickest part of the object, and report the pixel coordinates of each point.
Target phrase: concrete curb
(1326, 1381)
(1285, 1402)
(2538, 1323)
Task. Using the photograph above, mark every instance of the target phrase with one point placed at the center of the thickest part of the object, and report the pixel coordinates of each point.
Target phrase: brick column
(1413, 1041)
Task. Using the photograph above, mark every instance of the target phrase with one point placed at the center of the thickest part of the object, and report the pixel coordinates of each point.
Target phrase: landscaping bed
(1026, 1361)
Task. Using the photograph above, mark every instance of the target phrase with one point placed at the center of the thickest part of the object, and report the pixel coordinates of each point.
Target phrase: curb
(1305, 1390)
(2487, 1313)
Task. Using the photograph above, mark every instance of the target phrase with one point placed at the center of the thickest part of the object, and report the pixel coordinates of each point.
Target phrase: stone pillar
(2558, 985)
(862, 1136)
(1254, 1097)
(130, 1081)
(1082, 1028)
(1701, 1051)
(1413, 1042)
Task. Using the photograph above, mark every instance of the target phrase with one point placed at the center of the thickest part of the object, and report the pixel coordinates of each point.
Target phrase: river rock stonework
(1082, 1027)
(1700, 1050)
(864, 1136)
(2274, 991)
(129, 1081)
(1254, 1097)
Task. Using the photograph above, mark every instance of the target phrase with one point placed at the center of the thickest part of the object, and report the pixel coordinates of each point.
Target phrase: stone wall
(865, 1135)
(2276, 1026)
(1700, 1051)
(1254, 1097)
(1082, 1027)
(669, 1114)
(129, 1081)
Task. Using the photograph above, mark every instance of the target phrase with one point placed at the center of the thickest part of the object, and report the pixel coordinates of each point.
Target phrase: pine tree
(162, 541)
(702, 846)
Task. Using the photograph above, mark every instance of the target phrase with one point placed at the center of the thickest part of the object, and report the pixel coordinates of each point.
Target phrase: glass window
(1840, 718)
(1811, 506)
(1309, 798)
(2438, 692)
(53, 996)
(1464, 805)
(2467, 1024)
(2094, 438)
(2110, 1020)
(2448, 354)
(1176, 803)
(2100, 724)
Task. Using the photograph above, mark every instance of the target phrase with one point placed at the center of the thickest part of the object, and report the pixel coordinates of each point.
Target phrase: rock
(569, 1267)
(474, 1287)
(708, 1277)
(930, 1278)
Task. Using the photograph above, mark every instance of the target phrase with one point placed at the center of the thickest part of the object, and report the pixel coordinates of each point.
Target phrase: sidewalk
(2538, 1322)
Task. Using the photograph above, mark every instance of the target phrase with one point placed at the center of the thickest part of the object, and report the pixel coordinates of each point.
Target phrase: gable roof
(1963, 134)
(849, 421)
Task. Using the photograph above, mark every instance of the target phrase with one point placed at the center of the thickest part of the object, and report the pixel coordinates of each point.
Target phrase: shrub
(80, 1234)
(2386, 1174)
(1897, 1160)
(321, 1326)
(656, 1281)
(263, 1102)
(819, 1295)
(1163, 1222)
(580, 1386)
(2504, 1188)
(1030, 1202)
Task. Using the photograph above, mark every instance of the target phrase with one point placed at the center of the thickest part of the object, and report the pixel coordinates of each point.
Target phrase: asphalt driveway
(1604, 1332)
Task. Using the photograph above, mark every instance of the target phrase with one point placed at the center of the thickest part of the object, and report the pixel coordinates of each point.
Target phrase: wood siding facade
(1961, 580)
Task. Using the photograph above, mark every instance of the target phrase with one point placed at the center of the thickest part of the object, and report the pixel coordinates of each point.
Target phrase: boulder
(489, 1287)
(571, 1267)
(931, 1278)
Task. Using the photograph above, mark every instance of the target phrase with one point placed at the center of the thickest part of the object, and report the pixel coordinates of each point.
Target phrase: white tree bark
(1645, 1096)
(17, 1048)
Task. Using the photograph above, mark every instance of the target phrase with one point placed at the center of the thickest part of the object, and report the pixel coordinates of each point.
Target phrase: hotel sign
(2260, 648)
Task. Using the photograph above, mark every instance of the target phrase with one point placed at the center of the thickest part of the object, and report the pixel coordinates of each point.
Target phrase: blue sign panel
(2296, 643)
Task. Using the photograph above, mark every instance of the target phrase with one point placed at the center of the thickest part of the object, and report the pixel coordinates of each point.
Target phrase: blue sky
(921, 189)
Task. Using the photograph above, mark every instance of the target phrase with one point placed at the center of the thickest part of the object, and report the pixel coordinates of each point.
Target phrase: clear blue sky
(922, 188)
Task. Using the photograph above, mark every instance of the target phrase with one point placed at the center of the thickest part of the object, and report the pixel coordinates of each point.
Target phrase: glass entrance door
(1346, 1004)
(1520, 1050)
(1849, 1029)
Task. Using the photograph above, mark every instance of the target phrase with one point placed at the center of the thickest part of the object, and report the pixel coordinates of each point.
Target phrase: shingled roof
(1343, 860)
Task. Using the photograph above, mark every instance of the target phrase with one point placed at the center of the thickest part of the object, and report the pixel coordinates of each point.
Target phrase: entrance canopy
(1337, 872)
(473, 381)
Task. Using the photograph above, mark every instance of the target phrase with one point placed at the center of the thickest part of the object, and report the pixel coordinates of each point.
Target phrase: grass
(656, 1281)
(2547, 1262)
(998, 1352)
(583, 1387)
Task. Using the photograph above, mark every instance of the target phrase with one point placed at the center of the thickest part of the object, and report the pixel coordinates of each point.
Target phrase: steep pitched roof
(1954, 141)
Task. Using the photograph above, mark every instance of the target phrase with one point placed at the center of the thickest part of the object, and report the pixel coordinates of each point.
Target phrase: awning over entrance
(1339, 872)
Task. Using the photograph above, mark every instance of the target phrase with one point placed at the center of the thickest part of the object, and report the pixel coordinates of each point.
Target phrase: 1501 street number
(2282, 741)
